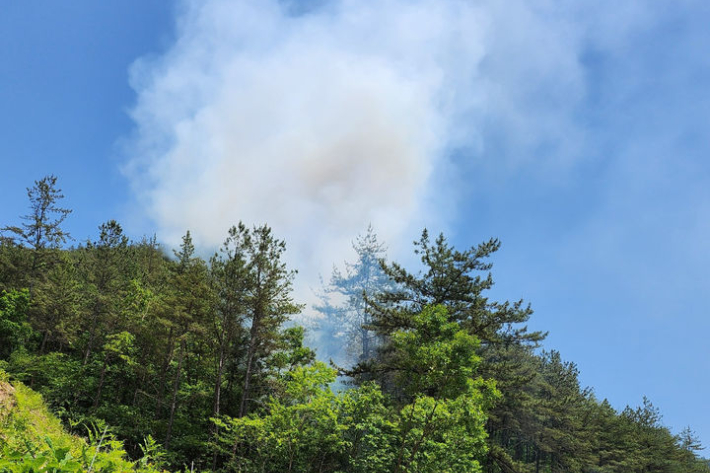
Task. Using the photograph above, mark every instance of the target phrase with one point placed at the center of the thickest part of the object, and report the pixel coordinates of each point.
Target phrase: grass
(32, 439)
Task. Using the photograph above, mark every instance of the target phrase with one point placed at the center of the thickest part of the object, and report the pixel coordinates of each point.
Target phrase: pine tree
(190, 304)
(43, 230)
(452, 278)
(105, 266)
(268, 303)
(355, 286)
(449, 278)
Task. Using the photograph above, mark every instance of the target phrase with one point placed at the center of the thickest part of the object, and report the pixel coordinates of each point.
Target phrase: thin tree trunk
(101, 383)
(537, 460)
(246, 387)
(218, 381)
(33, 268)
(425, 430)
(92, 332)
(217, 392)
(163, 371)
(44, 342)
(176, 386)
(253, 335)
(247, 380)
(400, 456)
(365, 345)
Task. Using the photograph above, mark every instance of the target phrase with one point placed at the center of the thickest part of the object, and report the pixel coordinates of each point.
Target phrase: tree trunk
(217, 391)
(163, 371)
(218, 381)
(44, 342)
(101, 383)
(176, 386)
(365, 345)
(537, 460)
(253, 343)
(247, 381)
(92, 331)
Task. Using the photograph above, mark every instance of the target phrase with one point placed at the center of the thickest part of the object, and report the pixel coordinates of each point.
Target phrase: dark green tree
(15, 330)
(268, 300)
(42, 229)
(457, 280)
(59, 304)
(191, 299)
(105, 264)
(449, 278)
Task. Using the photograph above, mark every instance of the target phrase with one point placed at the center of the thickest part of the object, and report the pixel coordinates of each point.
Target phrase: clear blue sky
(579, 136)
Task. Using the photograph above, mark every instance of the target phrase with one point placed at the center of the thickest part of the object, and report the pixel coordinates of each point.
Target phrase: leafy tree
(15, 331)
(449, 277)
(228, 273)
(117, 332)
(306, 427)
(435, 364)
(253, 300)
(291, 352)
(299, 432)
(14, 261)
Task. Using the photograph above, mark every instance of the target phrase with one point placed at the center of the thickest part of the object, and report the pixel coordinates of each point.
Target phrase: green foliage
(435, 362)
(116, 333)
(292, 352)
(15, 330)
(449, 278)
(58, 304)
(32, 440)
(309, 428)
(372, 430)
(435, 356)
(299, 431)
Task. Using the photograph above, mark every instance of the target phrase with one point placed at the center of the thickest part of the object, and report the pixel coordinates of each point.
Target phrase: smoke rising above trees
(200, 354)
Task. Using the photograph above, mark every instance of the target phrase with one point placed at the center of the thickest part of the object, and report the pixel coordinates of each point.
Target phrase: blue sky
(578, 135)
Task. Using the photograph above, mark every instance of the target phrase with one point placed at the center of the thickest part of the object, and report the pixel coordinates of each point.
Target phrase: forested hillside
(192, 363)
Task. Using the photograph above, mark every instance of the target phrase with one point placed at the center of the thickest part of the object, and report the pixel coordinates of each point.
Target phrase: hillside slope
(32, 439)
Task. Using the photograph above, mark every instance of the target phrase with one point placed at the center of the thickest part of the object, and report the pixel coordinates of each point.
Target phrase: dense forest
(166, 360)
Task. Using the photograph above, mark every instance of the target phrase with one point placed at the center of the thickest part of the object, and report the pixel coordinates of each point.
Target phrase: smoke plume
(322, 120)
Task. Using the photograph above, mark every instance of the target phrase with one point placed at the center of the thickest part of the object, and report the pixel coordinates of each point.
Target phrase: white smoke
(322, 122)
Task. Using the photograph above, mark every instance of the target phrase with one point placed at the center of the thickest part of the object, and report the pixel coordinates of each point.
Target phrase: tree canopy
(164, 359)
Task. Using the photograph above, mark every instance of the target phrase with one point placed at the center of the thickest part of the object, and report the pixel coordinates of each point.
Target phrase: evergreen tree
(229, 279)
(118, 334)
(191, 303)
(59, 304)
(449, 278)
(42, 230)
(105, 267)
(268, 302)
(349, 320)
